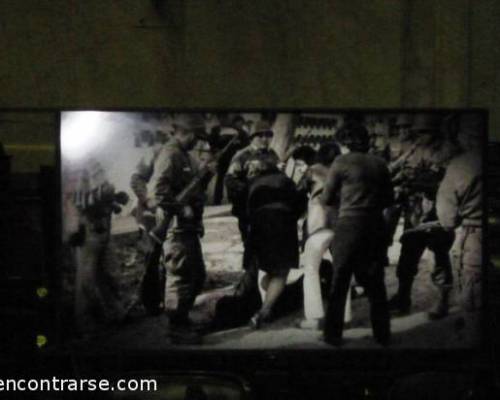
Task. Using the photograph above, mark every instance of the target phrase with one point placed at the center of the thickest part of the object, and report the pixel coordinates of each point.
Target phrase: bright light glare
(81, 132)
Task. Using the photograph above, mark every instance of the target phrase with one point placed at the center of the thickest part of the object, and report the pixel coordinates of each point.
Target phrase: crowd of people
(348, 198)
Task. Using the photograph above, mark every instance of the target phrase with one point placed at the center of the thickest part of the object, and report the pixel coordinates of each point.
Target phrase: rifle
(423, 227)
(425, 181)
(153, 283)
(159, 232)
(401, 162)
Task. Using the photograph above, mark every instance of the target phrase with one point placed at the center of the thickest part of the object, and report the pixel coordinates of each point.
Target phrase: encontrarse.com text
(77, 385)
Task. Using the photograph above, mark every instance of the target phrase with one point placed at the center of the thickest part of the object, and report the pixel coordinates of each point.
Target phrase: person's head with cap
(470, 131)
(403, 126)
(426, 127)
(354, 136)
(188, 128)
(261, 135)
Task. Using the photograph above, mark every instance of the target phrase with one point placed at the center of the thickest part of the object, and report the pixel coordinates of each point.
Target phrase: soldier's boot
(400, 303)
(440, 310)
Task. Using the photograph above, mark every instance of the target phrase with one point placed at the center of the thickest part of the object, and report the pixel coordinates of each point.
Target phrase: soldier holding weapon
(418, 178)
(178, 199)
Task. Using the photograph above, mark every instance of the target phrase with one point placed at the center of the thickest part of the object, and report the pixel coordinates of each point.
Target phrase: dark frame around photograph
(305, 349)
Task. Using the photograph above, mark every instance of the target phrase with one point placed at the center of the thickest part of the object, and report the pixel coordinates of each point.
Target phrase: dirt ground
(222, 252)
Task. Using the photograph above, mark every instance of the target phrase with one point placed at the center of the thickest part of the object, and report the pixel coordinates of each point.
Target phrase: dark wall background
(141, 53)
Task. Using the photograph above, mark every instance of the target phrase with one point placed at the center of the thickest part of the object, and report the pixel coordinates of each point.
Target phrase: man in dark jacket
(362, 183)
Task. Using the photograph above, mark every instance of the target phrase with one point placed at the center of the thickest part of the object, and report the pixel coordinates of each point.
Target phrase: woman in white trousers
(320, 233)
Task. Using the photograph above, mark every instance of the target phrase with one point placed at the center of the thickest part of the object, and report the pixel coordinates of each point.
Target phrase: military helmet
(403, 120)
(260, 126)
(193, 122)
(426, 123)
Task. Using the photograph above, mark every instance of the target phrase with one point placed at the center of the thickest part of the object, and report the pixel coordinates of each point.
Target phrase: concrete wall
(139, 53)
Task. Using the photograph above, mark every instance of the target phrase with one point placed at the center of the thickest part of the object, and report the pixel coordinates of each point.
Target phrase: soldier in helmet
(257, 152)
(174, 169)
(380, 141)
(402, 148)
(361, 186)
(403, 140)
(418, 178)
(459, 207)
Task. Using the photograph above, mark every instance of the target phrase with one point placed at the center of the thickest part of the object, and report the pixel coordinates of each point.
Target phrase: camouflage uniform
(392, 214)
(182, 256)
(459, 205)
(401, 148)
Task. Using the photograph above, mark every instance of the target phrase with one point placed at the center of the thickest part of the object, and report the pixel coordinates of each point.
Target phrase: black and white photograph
(265, 229)
(276, 200)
